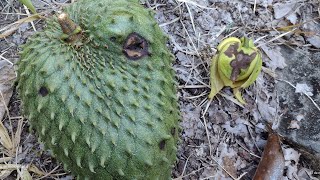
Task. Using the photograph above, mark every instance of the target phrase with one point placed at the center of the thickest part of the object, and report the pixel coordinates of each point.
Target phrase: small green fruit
(237, 64)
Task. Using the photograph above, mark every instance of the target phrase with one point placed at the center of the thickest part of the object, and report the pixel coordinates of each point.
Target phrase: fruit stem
(71, 31)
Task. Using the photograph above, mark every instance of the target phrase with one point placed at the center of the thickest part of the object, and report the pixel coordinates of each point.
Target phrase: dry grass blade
(5, 173)
(195, 4)
(17, 137)
(193, 172)
(28, 13)
(230, 98)
(5, 140)
(275, 38)
(22, 170)
(5, 159)
(45, 175)
(9, 166)
(34, 169)
(290, 27)
(1, 57)
(170, 22)
(206, 127)
(24, 174)
(11, 28)
(191, 18)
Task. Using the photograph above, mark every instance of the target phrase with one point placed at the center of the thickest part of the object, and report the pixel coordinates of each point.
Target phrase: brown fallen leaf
(229, 166)
(7, 77)
(271, 165)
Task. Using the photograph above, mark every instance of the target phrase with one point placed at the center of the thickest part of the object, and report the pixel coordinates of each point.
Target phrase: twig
(1, 57)
(185, 165)
(193, 45)
(170, 22)
(195, 4)
(193, 172)
(205, 125)
(28, 13)
(49, 173)
(275, 38)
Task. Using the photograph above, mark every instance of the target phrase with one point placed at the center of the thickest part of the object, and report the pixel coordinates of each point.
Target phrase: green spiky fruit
(98, 87)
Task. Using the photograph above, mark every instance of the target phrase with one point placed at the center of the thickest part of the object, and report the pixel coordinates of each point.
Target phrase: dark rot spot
(242, 61)
(173, 131)
(43, 91)
(135, 47)
(113, 39)
(232, 50)
(162, 144)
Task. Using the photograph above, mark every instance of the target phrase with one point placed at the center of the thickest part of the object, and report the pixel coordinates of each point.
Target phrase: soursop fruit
(98, 87)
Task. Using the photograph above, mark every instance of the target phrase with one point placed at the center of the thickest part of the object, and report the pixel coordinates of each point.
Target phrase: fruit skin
(237, 65)
(102, 114)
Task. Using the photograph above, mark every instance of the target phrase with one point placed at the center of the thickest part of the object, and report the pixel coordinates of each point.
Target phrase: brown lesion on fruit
(135, 47)
(43, 91)
(232, 50)
(71, 31)
(162, 144)
(241, 61)
(113, 39)
(173, 131)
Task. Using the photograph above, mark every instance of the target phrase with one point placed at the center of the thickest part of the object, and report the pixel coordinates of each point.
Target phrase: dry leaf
(272, 163)
(7, 77)
(282, 9)
(304, 88)
(229, 166)
(11, 28)
(314, 40)
(276, 58)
